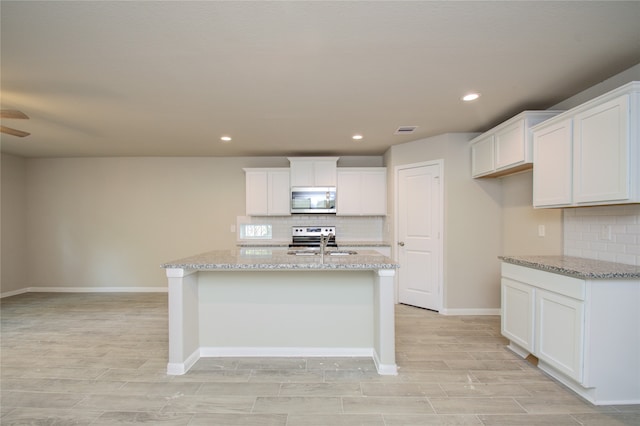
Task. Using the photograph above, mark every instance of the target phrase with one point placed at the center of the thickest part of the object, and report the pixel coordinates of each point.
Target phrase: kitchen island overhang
(265, 303)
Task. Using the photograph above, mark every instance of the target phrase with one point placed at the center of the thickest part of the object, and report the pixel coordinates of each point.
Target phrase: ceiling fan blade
(14, 132)
(12, 113)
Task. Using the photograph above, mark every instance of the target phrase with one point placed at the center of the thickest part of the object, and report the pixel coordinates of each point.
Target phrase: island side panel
(384, 322)
(184, 345)
(314, 313)
(612, 341)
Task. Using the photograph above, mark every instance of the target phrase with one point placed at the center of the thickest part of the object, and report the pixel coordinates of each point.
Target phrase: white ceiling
(140, 78)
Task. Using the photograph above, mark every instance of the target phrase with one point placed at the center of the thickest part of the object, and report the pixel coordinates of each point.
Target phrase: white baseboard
(284, 352)
(85, 290)
(384, 369)
(482, 311)
(178, 369)
(13, 293)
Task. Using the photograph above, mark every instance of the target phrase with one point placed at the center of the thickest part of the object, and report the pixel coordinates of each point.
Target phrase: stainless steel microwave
(310, 200)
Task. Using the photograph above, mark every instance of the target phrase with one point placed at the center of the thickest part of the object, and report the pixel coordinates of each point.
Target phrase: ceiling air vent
(405, 130)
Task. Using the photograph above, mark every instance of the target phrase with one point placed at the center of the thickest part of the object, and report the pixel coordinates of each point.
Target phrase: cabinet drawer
(561, 284)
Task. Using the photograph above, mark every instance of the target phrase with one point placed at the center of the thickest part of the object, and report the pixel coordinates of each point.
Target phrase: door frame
(396, 225)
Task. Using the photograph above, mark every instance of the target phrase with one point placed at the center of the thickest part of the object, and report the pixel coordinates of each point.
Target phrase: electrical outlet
(232, 228)
(605, 232)
(541, 230)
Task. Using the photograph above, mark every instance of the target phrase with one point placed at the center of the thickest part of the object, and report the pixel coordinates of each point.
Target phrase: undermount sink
(340, 252)
(314, 252)
(304, 252)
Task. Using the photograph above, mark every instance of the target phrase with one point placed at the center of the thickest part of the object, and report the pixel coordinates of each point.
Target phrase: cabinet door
(324, 173)
(559, 332)
(482, 156)
(518, 313)
(601, 153)
(348, 193)
(313, 172)
(279, 193)
(510, 145)
(552, 162)
(362, 192)
(256, 186)
(302, 173)
(373, 193)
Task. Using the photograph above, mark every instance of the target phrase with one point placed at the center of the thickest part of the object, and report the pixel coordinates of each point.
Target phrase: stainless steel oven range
(310, 237)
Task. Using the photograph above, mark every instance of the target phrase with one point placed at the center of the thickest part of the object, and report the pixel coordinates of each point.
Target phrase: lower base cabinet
(560, 332)
(585, 333)
(518, 304)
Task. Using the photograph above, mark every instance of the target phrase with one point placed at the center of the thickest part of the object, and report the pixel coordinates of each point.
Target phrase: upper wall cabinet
(362, 191)
(506, 148)
(267, 192)
(590, 155)
(313, 171)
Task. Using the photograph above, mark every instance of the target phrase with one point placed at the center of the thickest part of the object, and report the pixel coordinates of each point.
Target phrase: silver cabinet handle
(401, 243)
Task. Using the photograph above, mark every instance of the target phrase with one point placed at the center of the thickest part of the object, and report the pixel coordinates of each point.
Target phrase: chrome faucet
(324, 239)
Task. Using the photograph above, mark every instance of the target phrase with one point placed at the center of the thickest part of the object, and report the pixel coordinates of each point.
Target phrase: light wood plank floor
(100, 359)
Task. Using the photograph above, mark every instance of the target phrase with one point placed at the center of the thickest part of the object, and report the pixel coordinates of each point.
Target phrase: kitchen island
(259, 301)
(580, 318)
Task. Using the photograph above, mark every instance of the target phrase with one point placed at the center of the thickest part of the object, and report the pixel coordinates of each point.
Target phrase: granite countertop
(341, 243)
(361, 243)
(265, 258)
(263, 243)
(576, 267)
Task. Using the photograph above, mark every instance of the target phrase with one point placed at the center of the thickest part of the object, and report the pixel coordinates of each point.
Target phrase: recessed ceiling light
(225, 138)
(470, 97)
(356, 137)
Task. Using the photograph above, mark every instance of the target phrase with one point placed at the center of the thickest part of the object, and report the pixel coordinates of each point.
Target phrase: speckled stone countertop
(341, 243)
(265, 258)
(263, 243)
(576, 267)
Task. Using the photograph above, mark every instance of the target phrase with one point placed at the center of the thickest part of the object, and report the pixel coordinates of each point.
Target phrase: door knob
(401, 243)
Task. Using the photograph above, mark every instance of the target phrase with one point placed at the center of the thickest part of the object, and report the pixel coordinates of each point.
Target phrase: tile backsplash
(348, 228)
(609, 233)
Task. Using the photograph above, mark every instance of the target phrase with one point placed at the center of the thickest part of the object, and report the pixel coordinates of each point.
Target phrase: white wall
(473, 216)
(631, 74)
(13, 224)
(111, 222)
(520, 221)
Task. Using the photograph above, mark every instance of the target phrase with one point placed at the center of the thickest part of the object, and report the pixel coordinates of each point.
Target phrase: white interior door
(419, 225)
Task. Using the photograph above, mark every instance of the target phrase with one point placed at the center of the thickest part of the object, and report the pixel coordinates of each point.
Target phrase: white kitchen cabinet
(560, 332)
(603, 166)
(507, 148)
(586, 332)
(553, 156)
(361, 191)
(482, 156)
(267, 192)
(518, 313)
(313, 171)
(601, 152)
